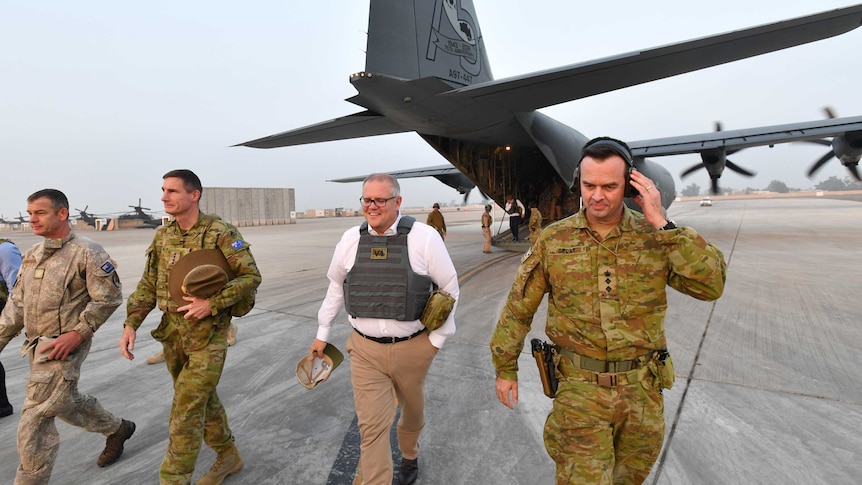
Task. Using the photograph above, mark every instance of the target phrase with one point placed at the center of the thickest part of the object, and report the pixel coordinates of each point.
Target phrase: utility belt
(390, 340)
(653, 369)
(602, 372)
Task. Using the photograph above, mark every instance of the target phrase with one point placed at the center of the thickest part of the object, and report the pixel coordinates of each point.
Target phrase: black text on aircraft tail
(450, 48)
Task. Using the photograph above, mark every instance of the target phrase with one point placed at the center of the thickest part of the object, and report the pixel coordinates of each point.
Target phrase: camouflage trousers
(52, 392)
(604, 435)
(197, 413)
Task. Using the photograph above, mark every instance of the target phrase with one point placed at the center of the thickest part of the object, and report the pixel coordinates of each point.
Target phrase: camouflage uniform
(63, 285)
(535, 224)
(195, 350)
(606, 301)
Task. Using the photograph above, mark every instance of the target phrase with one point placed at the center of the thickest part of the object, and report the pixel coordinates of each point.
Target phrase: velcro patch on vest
(379, 253)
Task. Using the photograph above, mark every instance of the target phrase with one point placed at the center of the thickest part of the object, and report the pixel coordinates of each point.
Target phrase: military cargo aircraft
(427, 72)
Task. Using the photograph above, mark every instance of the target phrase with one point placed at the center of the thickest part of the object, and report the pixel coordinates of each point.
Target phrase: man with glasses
(390, 349)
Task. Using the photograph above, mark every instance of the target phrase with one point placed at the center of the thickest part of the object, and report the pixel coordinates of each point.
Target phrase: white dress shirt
(428, 256)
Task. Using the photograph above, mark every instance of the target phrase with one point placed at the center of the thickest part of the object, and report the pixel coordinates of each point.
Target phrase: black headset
(616, 146)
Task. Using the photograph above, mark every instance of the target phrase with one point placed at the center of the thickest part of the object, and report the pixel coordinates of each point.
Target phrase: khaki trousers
(487, 232)
(377, 372)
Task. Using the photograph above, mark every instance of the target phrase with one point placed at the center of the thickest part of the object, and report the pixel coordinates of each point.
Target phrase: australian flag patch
(237, 244)
(108, 267)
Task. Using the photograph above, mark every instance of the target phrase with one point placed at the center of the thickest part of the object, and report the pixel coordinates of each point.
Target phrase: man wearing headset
(606, 270)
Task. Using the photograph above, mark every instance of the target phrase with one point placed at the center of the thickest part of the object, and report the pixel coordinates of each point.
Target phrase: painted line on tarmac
(473, 272)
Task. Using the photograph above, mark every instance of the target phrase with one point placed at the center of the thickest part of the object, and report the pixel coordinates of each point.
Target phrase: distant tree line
(831, 184)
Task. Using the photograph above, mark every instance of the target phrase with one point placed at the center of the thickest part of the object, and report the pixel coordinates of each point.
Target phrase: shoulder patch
(239, 243)
(107, 267)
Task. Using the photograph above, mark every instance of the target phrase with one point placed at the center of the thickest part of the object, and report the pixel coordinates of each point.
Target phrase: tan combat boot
(227, 463)
(231, 335)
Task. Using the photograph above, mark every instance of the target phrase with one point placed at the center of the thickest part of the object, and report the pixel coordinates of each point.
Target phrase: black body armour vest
(381, 283)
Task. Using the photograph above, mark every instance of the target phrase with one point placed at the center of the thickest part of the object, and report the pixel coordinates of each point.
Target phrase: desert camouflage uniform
(195, 350)
(63, 285)
(606, 301)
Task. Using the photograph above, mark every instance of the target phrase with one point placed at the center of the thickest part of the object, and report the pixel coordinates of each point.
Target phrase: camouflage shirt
(170, 244)
(535, 220)
(63, 285)
(606, 300)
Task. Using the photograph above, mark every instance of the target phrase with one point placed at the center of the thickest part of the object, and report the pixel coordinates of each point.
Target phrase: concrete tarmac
(768, 383)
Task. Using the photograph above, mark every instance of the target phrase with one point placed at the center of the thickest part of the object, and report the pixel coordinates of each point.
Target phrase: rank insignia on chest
(39, 273)
(378, 253)
(175, 256)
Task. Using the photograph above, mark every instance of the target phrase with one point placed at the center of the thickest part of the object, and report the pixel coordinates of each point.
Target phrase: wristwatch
(670, 225)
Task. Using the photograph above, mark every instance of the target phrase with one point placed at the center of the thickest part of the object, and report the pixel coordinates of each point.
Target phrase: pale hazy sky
(100, 98)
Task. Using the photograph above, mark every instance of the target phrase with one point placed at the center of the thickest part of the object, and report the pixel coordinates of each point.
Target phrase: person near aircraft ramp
(66, 288)
(605, 270)
(535, 223)
(435, 220)
(487, 220)
(515, 209)
(200, 272)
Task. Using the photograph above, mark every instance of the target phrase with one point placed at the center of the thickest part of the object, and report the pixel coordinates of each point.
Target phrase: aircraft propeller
(714, 161)
(847, 148)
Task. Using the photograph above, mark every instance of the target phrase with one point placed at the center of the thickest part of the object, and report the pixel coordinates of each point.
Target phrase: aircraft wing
(408, 173)
(356, 125)
(576, 81)
(447, 174)
(745, 138)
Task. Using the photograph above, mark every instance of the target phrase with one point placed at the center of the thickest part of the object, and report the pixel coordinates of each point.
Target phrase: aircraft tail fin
(423, 38)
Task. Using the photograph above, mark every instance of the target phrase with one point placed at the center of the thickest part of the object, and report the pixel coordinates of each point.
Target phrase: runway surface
(768, 383)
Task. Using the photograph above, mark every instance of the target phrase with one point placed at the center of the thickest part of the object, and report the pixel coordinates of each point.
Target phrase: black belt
(390, 340)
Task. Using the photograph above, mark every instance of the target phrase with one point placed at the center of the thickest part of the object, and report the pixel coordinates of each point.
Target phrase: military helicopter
(147, 220)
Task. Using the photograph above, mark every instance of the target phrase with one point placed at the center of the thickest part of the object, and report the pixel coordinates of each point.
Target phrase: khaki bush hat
(312, 370)
(201, 273)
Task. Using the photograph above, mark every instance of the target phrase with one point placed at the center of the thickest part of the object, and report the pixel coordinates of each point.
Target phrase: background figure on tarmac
(487, 220)
(606, 270)
(435, 220)
(193, 336)
(66, 289)
(515, 209)
(10, 261)
(535, 223)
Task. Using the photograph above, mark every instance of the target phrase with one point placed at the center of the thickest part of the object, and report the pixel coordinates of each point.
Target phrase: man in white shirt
(390, 349)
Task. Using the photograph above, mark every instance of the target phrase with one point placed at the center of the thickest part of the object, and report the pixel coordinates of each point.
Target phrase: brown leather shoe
(409, 471)
(114, 445)
(227, 463)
